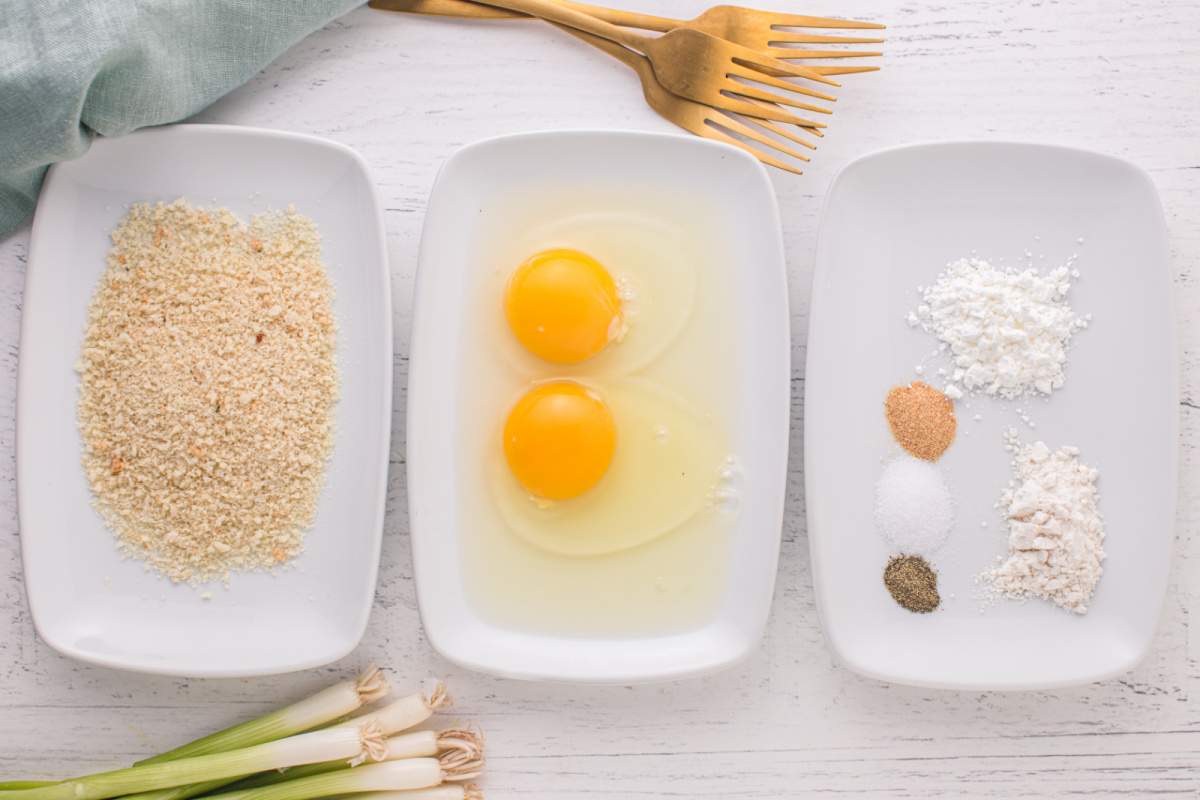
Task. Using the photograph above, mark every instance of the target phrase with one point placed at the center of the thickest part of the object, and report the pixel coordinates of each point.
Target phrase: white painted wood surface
(1120, 76)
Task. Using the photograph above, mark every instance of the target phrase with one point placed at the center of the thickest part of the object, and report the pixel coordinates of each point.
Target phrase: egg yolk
(559, 440)
(562, 305)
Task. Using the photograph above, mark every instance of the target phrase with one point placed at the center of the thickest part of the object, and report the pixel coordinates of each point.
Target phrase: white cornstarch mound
(1007, 330)
(207, 388)
(913, 507)
(1055, 531)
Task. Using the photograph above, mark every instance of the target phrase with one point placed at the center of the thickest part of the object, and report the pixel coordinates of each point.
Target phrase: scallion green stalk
(6, 785)
(324, 706)
(340, 742)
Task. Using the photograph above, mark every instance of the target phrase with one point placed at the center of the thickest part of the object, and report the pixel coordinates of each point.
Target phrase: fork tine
(783, 100)
(795, 37)
(824, 70)
(764, 63)
(778, 83)
(772, 80)
(748, 71)
(715, 132)
(795, 52)
(802, 21)
(749, 107)
(737, 126)
(784, 131)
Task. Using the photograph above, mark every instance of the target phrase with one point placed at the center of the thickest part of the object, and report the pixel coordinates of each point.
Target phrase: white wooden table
(1120, 76)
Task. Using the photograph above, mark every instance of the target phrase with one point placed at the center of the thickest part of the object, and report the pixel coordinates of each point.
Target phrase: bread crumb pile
(207, 388)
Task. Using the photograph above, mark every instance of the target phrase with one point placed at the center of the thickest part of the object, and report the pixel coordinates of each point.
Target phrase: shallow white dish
(891, 222)
(474, 184)
(88, 603)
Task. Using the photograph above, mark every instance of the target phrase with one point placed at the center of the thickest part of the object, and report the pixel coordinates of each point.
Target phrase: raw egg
(600, 334)
(665, 467)
(559, 440)
(562, 305)
(652, 265)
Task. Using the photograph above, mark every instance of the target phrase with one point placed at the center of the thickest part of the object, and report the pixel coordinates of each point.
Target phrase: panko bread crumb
(207, 388)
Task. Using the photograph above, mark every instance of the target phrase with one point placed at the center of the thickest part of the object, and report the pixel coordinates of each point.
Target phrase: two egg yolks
(559, 440)
(563, 306)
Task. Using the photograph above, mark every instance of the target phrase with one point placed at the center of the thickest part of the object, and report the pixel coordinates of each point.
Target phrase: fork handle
(619, 52)
(470, 10)
(552, 11)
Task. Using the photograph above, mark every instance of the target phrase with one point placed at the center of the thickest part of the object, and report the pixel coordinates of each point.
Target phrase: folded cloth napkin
(71, 69)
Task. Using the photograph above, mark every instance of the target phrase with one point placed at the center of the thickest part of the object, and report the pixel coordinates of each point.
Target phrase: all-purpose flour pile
(1056, 533)
(1007, 330)
(207, 387)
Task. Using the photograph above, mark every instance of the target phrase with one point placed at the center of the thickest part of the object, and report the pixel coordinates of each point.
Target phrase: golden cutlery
(697, 118)
(702, 67)
(466, 9)
(760, 30)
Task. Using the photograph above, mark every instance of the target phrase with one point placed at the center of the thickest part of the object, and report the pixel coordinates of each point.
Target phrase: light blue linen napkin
(72, 69)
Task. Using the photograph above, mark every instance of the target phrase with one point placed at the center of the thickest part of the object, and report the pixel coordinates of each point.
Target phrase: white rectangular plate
(473, 188)
(891, 223)
(86, 601)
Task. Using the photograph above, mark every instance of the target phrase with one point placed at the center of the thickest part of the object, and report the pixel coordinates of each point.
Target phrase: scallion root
(372, 685)
(456, 768)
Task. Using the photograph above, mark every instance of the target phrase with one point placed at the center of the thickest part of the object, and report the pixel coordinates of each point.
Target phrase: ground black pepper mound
(912, 583)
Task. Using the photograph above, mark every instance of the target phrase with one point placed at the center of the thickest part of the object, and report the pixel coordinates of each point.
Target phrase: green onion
(306, 748)
(455, 746)
(407, 712)
(407, 773)
(399, 715)
(447, 791)
(332, 703)
(5, 785)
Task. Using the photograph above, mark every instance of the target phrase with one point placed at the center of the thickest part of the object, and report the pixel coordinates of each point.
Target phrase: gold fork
(697, 118)
(758, 30)
(701, 67)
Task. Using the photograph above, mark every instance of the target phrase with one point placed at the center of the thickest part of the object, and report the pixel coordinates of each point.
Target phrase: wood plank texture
(1113, 75)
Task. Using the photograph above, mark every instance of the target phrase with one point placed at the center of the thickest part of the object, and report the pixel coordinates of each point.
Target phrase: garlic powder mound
(207, 388)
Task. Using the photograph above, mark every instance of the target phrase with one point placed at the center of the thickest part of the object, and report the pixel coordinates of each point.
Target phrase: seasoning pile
(914, 509)
(1007, 333)
(922, 419)
(1007, 330)
(1056, 533)
(912, 583)
(207, 388)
